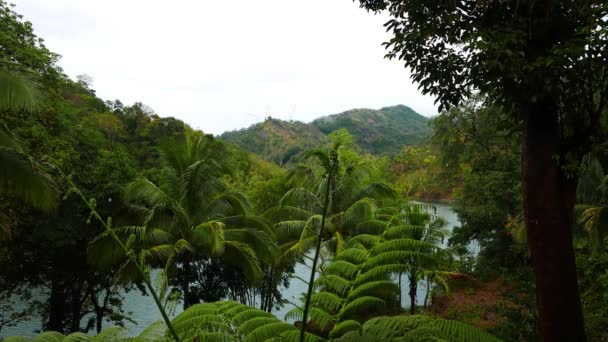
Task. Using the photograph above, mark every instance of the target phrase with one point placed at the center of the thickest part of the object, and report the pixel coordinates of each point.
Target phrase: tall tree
(193, 215)
(545, 61)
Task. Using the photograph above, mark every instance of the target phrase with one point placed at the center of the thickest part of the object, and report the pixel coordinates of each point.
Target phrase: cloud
(222, 65)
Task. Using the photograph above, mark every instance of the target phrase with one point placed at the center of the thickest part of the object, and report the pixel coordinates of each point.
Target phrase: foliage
(276, 140)
(382, 131)
(230, 321)
(192, 214)
(358, 283)
(544, 62)
(416, 328)
(481, 145)
(377, 132)
(418, 172)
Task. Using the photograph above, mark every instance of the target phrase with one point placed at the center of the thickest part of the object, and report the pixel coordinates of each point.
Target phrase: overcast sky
(223, 65)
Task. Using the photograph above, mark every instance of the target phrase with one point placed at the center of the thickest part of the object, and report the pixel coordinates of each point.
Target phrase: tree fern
(416, 328)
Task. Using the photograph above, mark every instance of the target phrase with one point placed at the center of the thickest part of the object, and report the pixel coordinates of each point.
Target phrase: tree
(193, 215)
(481, 145)
(353, 200)
(426, 231)
(20, 175)
(545, 62)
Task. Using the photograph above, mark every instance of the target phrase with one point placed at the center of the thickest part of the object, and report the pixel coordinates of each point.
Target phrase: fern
(416, 328)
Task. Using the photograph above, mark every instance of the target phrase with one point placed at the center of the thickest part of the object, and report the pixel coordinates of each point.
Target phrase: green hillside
(382, 131)
(276, 140)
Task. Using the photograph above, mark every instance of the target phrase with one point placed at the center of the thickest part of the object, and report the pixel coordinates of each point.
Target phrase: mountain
(276, 140)
(382, 131)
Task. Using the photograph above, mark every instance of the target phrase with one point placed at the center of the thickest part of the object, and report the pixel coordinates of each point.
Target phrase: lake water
(145, 312)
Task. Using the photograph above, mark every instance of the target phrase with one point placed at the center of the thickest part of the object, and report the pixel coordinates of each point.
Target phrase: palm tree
(192, 214)
(352, 202)
(424, 232)
(20, 176)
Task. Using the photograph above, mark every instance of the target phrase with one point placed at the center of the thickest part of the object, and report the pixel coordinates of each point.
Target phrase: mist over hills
(381, 131)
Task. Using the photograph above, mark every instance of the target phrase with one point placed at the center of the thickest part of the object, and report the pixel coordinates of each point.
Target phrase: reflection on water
(143, 309)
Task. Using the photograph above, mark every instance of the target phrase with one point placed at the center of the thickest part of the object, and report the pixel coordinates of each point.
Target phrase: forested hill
(382, 131)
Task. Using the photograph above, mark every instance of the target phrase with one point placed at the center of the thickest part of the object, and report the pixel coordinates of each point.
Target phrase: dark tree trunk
(400, 304)
(548, 205)
(185, 282)
(57, 306)
(76, 305)
(413, 290)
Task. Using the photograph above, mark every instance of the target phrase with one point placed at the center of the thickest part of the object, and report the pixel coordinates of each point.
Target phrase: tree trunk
(76, 305)
(548, 205)
(413, 289)
(57, 305)
(428, 291)
(185, 283)
(400, 305)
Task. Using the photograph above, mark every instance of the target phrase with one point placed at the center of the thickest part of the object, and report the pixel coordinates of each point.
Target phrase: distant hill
(382, 131)
(277, 140)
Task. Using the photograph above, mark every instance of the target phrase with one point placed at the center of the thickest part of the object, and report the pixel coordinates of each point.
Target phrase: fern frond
(360, 304)
(353, 255)
(342, 268)
(321, 319)
(334, 283)
(344, 327)
(327, 301)
(379, 288)
(380, 273)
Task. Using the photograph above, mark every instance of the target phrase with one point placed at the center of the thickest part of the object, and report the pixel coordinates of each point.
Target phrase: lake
(145, 312)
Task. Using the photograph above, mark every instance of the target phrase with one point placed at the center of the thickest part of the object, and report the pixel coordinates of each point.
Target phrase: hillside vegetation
(382, 131)
(378, 132)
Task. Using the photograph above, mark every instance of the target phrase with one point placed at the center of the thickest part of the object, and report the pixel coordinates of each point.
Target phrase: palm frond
(209, 237)
(301, 198)
(23, 178)
(19, 91)
(264, 247)
(241, 256)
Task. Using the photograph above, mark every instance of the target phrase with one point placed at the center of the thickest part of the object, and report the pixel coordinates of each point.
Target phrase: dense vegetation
(99, 198)
(378, 132)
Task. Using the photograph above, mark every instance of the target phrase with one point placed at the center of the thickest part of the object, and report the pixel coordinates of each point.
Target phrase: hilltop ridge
(376, 131)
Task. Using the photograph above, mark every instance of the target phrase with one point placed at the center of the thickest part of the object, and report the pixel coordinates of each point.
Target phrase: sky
(221, 65)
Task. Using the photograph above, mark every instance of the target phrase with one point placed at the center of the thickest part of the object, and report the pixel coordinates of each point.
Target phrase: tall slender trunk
(76, 305)
(428, 292)
(400, 304)
(548, 205)
(413, 288)
(185, 281)
(330, 174)
(57, 305)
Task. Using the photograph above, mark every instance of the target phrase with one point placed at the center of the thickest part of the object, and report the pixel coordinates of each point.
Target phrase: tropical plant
(192, 215)
(230, 321)
(19, 91)
(352, 200)
(358, 283)
(416, 328)
(545, 61)
(20, 175)
(125, 248)
(418, 222)
(350, 291)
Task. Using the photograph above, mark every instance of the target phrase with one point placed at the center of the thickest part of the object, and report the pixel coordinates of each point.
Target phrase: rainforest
(486, 221)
